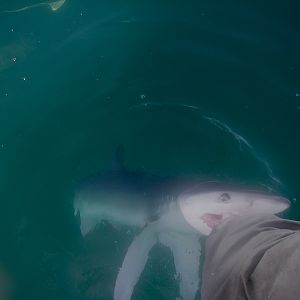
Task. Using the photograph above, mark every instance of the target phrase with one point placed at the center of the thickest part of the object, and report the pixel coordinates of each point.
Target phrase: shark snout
(283, 203)
(271, 205)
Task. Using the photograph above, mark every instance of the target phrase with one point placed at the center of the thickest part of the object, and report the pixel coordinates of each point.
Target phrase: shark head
(211, 204)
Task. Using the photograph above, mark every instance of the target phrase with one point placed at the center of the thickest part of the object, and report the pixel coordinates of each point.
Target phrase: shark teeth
(212, 220)
(215, 220)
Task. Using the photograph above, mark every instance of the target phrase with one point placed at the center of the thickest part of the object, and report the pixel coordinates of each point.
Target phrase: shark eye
(225, 197)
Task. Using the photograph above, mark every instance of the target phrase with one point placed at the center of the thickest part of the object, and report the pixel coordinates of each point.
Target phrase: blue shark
(175, 212)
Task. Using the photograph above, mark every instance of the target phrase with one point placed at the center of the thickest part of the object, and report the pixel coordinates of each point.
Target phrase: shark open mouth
(211, 220)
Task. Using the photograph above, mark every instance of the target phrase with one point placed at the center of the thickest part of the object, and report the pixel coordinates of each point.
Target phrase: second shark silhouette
(54, 6)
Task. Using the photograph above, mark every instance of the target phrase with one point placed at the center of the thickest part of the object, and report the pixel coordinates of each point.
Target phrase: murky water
(190, 89)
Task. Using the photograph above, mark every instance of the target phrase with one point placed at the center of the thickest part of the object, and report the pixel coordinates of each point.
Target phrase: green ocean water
(77, 82)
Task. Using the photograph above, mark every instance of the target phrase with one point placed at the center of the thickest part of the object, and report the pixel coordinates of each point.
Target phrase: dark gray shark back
(213, 185)
(123, 190)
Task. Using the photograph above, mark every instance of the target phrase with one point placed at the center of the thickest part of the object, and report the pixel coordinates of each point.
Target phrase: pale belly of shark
(170, 230)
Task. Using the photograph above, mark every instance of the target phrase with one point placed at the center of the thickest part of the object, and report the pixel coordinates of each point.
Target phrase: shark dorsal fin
(118, 162)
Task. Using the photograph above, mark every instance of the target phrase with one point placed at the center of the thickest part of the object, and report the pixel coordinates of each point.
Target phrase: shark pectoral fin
(134, 263)
(186, 249)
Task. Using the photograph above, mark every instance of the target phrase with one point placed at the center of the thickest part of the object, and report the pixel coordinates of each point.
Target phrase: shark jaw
(212, 220)
(206, 222)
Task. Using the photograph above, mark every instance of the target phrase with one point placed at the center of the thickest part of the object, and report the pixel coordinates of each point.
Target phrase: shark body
(172, 211)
